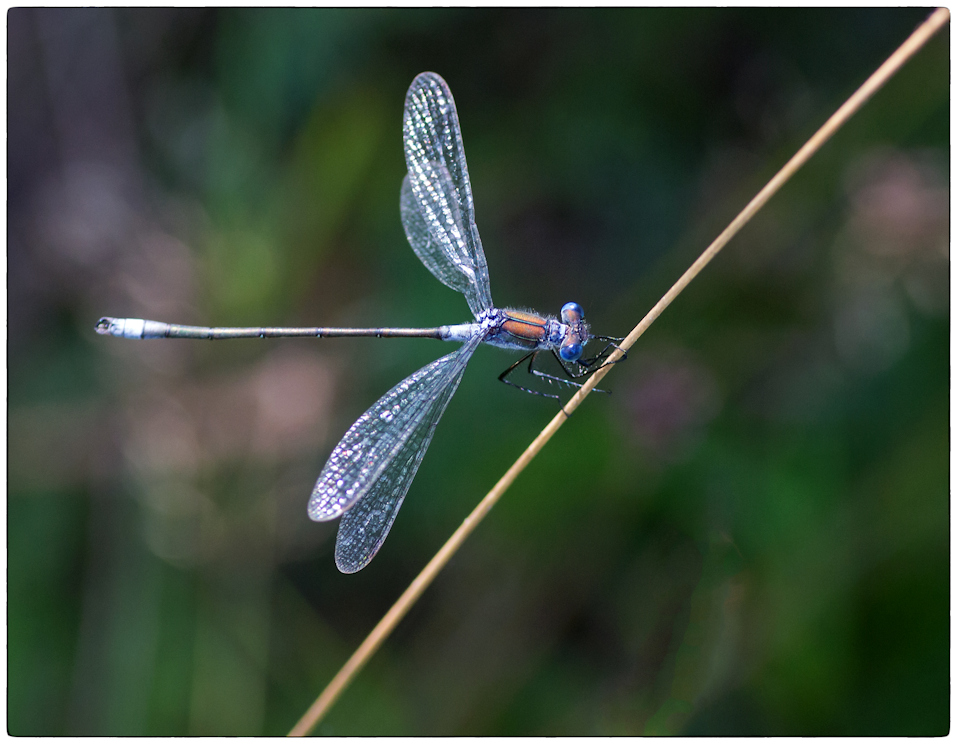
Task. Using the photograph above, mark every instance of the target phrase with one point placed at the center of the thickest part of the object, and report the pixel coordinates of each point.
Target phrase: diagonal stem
(385, 626)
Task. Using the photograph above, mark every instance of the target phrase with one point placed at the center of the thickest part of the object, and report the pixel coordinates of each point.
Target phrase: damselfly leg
(585, 368)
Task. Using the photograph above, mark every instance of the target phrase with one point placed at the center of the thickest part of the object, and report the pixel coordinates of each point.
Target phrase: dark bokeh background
(750, 536)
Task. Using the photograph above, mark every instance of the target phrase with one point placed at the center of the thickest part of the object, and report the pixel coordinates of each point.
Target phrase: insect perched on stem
(369, 472)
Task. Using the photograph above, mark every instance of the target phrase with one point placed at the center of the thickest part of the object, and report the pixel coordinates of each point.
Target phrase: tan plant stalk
(385, 626)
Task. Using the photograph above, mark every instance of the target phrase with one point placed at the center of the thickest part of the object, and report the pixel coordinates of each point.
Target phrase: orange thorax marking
(525, 326)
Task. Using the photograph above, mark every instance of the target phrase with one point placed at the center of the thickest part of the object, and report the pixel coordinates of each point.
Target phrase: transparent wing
(429, 250)
(365, 526)
(400, 424)
(439, 182)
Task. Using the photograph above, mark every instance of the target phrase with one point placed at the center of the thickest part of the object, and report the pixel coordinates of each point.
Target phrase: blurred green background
(750, 536)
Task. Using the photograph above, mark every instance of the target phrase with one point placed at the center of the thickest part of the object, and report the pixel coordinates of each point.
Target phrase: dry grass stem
(385, 626)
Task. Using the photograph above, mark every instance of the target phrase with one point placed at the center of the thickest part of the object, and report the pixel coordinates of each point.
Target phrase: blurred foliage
(750, 536)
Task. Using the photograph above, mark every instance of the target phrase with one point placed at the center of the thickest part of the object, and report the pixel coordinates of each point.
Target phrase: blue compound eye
(572, 312)
(571, 352)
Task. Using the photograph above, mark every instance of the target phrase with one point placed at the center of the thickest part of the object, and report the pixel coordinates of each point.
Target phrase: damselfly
(369, 472)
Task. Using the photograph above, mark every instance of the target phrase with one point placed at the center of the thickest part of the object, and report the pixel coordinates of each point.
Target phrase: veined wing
(429, 250)
(379, 455)
(365, 526)
(439, 181)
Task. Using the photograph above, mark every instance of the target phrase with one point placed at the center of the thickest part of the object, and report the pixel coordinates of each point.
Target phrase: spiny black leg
(552, 378)
(575, 376)
(531, 357)
(613, 344)
(602, 355)
(583, 368)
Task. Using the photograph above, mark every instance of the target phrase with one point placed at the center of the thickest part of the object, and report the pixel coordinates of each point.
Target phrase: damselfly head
(574, 317)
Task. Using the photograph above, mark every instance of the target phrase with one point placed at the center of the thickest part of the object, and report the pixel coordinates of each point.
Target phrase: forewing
(365, 526)
(439, 180)
(380, 434)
